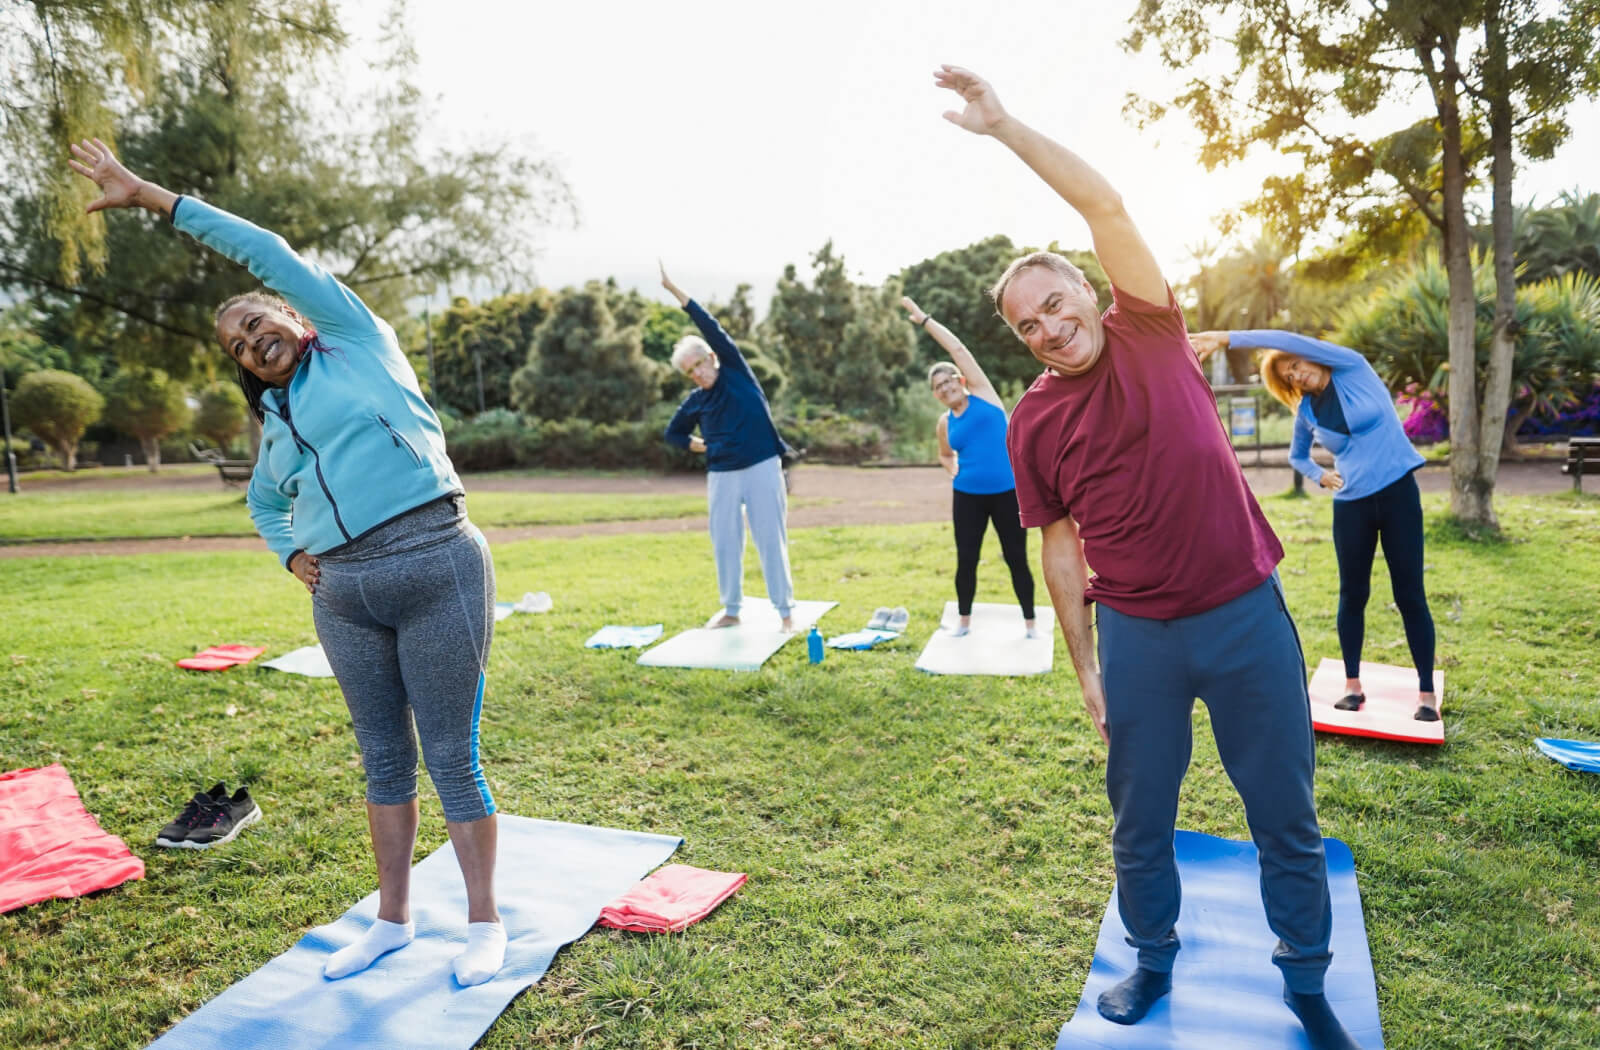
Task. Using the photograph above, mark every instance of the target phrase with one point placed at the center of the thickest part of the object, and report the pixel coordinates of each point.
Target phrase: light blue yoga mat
(1581, 755)
(551, 880)
(1225, 990)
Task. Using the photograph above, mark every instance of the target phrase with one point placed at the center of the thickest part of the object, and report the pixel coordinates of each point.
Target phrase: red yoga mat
(670, 899)
(49, 844)
(1391, 701)
(221, 657)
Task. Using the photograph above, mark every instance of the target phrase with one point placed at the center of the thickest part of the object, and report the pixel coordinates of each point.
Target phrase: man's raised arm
(1123, 254)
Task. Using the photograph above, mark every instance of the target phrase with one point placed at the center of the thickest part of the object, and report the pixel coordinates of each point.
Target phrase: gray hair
(688, 345)
(1049, 260)
(940, 369)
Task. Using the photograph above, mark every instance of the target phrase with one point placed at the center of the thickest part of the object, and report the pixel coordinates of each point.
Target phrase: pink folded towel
(49, 844)
(670, 899)
(220, 657)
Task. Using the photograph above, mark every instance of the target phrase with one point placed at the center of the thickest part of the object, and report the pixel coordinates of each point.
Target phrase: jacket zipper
(399, 440)
(303, 445)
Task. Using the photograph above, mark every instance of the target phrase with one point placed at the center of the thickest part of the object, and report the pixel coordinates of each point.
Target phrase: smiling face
(951, 390)
(1308, 377)
(263, 338)
(1057, 317)
(700, 368)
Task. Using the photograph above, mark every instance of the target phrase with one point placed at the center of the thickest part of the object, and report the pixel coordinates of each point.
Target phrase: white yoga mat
(996, 644)
(745, 647)
(308, 660)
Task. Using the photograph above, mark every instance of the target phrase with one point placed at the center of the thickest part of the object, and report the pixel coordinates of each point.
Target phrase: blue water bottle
(814, 645)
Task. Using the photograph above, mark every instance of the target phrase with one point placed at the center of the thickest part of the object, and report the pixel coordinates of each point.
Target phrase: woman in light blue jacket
(1339, 400)
(353, 491)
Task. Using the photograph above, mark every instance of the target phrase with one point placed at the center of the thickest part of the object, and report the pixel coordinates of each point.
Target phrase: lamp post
(5, 418)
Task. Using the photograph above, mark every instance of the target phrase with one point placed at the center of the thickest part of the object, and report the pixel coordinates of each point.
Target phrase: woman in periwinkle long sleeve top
(1339, 400)
(353, 492)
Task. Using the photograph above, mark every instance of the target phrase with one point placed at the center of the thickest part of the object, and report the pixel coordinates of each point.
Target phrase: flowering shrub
(1427, 421)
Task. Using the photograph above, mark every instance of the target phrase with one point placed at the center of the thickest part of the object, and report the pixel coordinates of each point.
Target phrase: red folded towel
(49, 844)
(670, 899)
(221, 657)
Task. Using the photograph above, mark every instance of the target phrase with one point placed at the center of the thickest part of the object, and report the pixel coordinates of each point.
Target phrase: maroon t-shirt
(1134, 451)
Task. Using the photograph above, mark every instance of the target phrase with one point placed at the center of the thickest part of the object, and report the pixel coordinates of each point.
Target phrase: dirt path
(854, 495)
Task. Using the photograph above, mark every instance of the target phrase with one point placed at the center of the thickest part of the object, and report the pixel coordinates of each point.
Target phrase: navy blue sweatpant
(1243, 659)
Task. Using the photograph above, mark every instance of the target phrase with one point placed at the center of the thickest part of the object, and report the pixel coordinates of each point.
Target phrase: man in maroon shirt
(1120, 458)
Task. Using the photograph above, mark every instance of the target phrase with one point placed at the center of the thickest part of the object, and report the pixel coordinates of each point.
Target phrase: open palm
(119, 187)
(983, 111)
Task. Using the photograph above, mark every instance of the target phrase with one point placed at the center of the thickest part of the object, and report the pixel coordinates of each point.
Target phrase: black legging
(972, 514)
(1394, 516)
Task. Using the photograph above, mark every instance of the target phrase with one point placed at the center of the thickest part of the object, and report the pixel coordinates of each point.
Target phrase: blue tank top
(978, 435)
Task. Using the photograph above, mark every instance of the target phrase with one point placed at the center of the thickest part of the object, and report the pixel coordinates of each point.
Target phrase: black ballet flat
(1352, 702)
(1426, 714)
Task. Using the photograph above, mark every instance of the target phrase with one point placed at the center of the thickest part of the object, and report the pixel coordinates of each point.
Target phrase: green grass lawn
(928, 857)
(64, 513)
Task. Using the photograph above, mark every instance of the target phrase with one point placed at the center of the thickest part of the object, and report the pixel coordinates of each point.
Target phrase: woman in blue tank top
(972, 447)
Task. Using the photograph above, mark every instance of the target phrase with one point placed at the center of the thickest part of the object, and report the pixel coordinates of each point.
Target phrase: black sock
(1125, 1003)
(1316, 1016)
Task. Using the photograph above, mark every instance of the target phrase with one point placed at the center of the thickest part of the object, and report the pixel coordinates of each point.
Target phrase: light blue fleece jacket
(350, 443)
(1376, 453)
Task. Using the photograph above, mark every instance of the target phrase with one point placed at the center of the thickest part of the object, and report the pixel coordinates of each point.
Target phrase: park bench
(232, 471)
(1583, 457)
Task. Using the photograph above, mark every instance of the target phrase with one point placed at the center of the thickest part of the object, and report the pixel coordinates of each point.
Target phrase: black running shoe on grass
(221, 823)
(176, 834)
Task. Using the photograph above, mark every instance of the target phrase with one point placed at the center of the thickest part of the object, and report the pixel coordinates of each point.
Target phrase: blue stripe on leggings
(472, 757)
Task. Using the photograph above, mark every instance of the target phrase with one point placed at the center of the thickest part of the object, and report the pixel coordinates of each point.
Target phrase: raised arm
(978, 384)
(314, 292)
(1319, 350)
(1066, 577)
(666, 282)
(1123, 254)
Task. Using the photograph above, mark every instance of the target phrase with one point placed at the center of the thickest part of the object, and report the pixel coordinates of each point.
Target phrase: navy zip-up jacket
(733, 415)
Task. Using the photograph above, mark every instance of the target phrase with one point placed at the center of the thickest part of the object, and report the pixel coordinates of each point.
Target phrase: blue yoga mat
(551, 881)
(1225, 990)
(1582, 755)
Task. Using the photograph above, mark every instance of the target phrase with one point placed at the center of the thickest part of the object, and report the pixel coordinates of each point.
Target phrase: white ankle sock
(383, 937)
(482, 957)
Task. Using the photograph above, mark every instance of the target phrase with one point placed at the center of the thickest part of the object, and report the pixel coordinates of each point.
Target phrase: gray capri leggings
(405, 614)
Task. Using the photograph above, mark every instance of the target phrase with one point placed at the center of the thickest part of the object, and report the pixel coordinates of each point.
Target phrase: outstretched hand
(983, 113)
(119, 187)
(918, 314)
(1207, 343)
(666, 282)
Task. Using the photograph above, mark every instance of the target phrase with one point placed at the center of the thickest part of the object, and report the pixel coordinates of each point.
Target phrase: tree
(227, 102)
(222, 413)
(490, 340)
(582, 364)
(1552, 241)
(842, 345)
(737, 316)
(1498, 79)
(145, 403)
(1403, 327)
(57, 406)
(954, 287)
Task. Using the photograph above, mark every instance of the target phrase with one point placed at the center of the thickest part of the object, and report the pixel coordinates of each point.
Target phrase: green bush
(831, 437)
(500, 440)
(58, 406)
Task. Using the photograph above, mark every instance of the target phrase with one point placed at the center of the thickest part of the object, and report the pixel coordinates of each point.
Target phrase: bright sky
(731, 137)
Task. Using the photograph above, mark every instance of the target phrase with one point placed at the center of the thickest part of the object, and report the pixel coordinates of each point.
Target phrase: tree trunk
(1471, 499)
(1502, 345)
(69, 454)
(152, 452)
